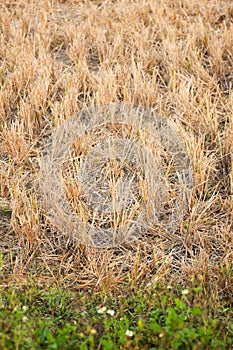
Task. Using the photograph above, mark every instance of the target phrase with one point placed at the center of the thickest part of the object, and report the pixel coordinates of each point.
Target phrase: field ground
(58, 58)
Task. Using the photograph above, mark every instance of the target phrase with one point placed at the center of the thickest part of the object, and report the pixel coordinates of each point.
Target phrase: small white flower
(102, 310)
(129, 333)
(25, 308)
(24, 319)
(111, 312)
(185, 292)
(169, 287)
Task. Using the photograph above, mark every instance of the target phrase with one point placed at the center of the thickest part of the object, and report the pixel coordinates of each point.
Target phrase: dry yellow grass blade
(5, 205)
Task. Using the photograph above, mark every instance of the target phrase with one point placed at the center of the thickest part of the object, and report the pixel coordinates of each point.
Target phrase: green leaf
(155, 327)
(179, 303)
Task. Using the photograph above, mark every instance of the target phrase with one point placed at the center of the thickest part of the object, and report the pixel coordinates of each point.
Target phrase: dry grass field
(58, 58)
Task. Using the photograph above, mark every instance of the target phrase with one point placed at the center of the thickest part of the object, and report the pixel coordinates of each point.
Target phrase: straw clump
(124, 170)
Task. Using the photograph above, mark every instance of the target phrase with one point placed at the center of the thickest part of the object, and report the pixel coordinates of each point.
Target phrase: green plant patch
(159, 318)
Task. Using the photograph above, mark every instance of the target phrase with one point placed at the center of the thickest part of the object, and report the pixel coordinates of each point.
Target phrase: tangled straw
(114, 172)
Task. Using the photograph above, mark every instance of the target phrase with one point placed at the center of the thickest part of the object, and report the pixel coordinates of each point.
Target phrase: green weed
(159, 318)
